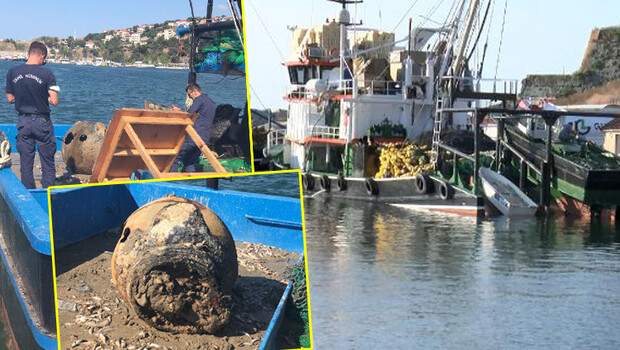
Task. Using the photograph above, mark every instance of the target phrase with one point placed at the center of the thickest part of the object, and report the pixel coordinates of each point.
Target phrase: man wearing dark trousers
(32, 88)
(189, 154)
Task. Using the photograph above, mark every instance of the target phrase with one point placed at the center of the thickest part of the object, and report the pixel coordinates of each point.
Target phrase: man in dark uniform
(32, 88)
(189, 154)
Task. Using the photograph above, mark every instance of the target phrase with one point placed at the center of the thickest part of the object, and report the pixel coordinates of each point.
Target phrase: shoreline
(117, 65)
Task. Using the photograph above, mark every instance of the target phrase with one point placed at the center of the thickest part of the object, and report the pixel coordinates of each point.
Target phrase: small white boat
(505, 195)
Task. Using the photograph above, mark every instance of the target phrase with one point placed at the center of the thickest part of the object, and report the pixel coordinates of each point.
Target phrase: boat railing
(368, 87)
(485, 85)
(323, 131)
(299, 91)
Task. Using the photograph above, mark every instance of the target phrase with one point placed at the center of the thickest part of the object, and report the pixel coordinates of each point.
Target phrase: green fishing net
(300, 300)
(221, 52)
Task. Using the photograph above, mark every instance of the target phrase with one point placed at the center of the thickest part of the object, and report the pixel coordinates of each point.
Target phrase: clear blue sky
(27, 19)
(554, 34)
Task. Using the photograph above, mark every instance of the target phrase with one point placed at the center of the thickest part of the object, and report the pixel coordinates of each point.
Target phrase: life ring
(371, 187)
(446, 191)
(341, 183)
(326, 183)
(424, 184)
(308, 181)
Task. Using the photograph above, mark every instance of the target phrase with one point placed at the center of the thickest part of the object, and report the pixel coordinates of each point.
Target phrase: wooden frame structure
(147, 139)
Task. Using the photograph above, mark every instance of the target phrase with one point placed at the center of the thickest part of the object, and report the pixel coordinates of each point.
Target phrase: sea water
(93, 93)
(382, 277)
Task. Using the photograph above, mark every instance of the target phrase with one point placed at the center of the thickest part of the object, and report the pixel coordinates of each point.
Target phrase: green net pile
(592, 157)
(300, 300)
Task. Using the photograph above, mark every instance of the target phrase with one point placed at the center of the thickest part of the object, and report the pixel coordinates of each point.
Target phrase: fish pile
(404, 159)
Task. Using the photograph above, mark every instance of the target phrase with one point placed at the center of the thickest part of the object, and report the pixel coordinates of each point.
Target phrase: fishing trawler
(344, 107)
(346, 114)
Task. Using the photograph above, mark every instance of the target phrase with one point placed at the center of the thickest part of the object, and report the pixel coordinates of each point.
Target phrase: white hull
(505, 196)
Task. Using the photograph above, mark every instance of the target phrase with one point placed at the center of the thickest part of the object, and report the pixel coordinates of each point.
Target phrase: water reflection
(385, 277)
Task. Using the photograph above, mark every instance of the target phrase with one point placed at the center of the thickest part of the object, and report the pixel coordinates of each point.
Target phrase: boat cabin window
(300, 75)
(332, 114)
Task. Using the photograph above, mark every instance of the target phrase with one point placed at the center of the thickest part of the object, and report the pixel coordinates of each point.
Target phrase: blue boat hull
(26, 270)
(10, 130)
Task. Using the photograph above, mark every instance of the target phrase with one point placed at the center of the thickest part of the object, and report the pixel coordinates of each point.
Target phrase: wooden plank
(110, 141)
(215, 163)
(136, 112)
(159, 120)
(154, 136)
(132, 152)
(150, 164)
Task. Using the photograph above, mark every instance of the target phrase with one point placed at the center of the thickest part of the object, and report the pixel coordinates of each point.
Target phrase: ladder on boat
(437, 128)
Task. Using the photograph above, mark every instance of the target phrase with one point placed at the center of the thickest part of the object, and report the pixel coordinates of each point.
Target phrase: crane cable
(273, 40)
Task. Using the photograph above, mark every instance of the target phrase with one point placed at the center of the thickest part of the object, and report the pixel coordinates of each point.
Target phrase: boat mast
(344, 21)
(450, 45)
(458, 64)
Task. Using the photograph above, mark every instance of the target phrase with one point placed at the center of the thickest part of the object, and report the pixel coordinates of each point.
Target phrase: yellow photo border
(212, 176)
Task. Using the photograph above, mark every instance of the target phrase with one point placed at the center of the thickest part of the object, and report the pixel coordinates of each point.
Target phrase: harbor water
(387, 278)
(93, 93)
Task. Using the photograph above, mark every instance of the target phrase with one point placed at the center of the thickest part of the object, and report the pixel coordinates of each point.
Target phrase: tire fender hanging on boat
(424, 184)
(341, 183)
(326, 183)
(308, 181)
(372, 188)
(446, 191)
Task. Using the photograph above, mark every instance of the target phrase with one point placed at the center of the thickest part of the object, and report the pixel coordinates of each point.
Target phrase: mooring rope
(5, 154)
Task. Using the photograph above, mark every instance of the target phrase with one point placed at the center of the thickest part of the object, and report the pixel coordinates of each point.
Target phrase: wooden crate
(147, 139)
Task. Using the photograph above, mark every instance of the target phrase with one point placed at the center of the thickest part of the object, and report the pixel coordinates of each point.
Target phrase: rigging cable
(404, 15)
(486, 44)
(501, 39)
(237, 19)
(273, 41)
(484, 19)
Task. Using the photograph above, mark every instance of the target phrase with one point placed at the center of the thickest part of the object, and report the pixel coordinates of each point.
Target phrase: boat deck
(62, 178)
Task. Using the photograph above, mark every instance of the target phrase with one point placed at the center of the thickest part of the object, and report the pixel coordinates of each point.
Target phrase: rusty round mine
(175, 265)
(81, 146)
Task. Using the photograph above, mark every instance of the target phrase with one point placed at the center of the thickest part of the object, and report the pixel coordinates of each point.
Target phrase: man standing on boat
(189, 155)
(32, 88)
